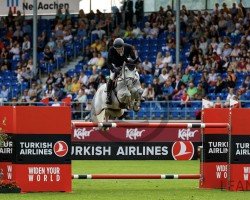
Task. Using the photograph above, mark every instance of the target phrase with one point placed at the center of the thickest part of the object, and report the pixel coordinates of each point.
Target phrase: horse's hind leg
(103, 117)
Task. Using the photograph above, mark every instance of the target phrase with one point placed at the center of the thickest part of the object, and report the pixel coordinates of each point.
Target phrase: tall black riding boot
(109, 92)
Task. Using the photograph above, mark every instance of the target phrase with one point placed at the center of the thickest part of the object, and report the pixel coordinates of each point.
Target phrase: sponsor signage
(48, 177)
(43, 6)
(135, 151)
(6, 171)
(37, 149)
(136, 135)
(6, 149)
(215, 148)
(183, 150)
(240, 149)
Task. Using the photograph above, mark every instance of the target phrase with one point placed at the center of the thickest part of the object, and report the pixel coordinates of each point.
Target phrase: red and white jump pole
(149, 125)
(136, 176)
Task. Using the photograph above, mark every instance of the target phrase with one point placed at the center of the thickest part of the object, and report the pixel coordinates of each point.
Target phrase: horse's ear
(130, 64)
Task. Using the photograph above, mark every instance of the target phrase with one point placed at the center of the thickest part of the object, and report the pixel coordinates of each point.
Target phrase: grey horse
(126, 95)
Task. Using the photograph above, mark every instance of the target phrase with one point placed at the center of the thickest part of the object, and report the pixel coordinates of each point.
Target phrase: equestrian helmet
(118, 43)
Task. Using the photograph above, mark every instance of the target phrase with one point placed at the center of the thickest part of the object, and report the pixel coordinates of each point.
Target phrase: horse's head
(129, 75)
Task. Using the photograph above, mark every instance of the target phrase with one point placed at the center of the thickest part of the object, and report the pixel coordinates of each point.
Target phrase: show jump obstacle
(40, 159)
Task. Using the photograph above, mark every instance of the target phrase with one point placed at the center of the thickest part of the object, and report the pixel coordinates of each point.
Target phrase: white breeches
(112, 75)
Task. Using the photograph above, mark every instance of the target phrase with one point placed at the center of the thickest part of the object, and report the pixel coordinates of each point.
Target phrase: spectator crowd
(214, 54)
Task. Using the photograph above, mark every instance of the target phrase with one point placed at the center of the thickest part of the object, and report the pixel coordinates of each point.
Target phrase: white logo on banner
(81, 133)
(221, 171)
(246, 173)
(133, 133)
(185, 134)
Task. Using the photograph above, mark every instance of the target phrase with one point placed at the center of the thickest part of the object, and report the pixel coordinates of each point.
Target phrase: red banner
(136, 135)
(43, 177)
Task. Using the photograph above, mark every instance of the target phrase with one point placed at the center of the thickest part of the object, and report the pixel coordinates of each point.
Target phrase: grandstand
(214, 57)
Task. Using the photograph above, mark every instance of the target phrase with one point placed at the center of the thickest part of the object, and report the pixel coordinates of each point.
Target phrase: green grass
(134, 189)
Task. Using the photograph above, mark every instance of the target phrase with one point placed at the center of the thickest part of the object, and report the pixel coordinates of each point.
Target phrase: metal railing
(150, 110)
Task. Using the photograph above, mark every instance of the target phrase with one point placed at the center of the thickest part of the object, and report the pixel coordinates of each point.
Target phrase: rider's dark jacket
(116, 61)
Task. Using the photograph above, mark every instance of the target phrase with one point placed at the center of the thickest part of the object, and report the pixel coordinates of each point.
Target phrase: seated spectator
(26, 45)
(91, 91)
(136, 32)
(40, 44)
(236, 103)
(235, 52)
(177, 85)
(81, 31)
(93, 61)
(178, 95)
(48, 93)
(128, 32)
(149, 93)
(59, 51)
(56, 102)
(218, 103)
(157, 87)
(158, 63)
(231, 79)
(59, 79)
(26, 74)
(201, 93)
(51, 44)
(83, 78)
(147, 66)
(242, 65)
(15, 51)
(26, 95)
(68, 85)
(81, 96)
(32, 92)
(100, 61)
(246, 82)
(4, 93)
(4, 53)
(48, 55)
(163, 76)
(185, 99)
(50, 80)
(186, 77)
(18, 34)
(5, 65)
(226, 51)
(57, 92)
(98, 31)
(167, 59)
(191, 91)
(220, 85)
(203, 45)
(153, 33)
(212, 78)
(75, 85)
(26, 28)
(146, 29)
(59, 35)
(67, 39)
(229, 96)
(167, 90)
(118, 32)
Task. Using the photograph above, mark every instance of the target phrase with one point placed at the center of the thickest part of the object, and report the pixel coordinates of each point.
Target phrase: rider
(118, 54)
